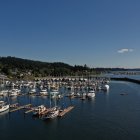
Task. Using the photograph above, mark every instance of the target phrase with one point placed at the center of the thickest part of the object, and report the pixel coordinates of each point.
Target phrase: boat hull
(4, 108)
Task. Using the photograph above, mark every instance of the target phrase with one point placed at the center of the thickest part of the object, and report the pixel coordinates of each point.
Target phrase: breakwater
(126, 79)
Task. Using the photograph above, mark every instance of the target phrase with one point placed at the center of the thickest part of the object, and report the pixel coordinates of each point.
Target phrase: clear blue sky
(99, 33)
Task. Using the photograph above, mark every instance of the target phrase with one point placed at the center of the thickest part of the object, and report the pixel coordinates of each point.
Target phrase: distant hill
(22, 64)
(13, 66)
(18, 67)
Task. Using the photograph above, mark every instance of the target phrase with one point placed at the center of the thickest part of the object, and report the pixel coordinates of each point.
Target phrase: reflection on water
(4, 113)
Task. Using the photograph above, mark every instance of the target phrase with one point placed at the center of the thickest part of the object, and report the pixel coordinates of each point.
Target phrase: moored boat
(3, 92)
(32, 91)
(52, 114)
(44, 92)
(91, 94)
(39, 110)
(14, 92)
(106, 87)
(3, 106)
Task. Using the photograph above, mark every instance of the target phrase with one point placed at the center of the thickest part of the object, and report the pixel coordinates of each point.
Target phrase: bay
(108, 116)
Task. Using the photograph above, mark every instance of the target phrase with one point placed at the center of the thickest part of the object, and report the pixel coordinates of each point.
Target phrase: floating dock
(42, 113)
(28, 111)
(65, 111)
(20, 107)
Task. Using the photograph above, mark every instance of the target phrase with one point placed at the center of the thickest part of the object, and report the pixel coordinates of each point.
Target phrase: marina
(107, 109)
(55, 89)
(69, 70)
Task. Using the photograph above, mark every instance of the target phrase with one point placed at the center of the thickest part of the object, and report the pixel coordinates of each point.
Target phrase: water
(109, 116)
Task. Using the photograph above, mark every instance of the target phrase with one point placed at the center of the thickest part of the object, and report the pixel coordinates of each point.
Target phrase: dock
(28, 111)
(20, 107)
(42, 113)
(65, 111)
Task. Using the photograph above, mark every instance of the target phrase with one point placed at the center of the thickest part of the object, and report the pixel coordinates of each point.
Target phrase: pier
(29, 111)
(65, 111)
(20, 107)
(127, 80)
(42, 113)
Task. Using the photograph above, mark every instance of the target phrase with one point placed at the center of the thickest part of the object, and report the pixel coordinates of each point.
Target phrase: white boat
(14, 92)
(77, 94)
(3, 92)
(52, 114)
(44, 92)
(3, 106)
(106, 87)
(91, 94)
(32, 91)
(38, 110)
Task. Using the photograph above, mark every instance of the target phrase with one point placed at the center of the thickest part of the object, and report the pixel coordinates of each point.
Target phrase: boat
(106, 87)
(44, 92)
(3, 106)
(39, 110)
(77, 94)
(32, 91)
(91, 94)
(54, 93)
(14, 92)
(3, 92)
(71, 94)
(52, 114)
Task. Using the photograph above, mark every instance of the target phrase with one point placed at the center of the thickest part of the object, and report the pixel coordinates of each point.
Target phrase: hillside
(19, 67)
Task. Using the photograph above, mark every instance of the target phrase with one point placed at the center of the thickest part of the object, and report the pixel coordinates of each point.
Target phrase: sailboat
(53, 113)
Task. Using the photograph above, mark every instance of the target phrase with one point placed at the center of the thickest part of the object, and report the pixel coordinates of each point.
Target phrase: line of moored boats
(83, 88)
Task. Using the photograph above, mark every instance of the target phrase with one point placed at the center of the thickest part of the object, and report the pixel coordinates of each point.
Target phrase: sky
(99, 33)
